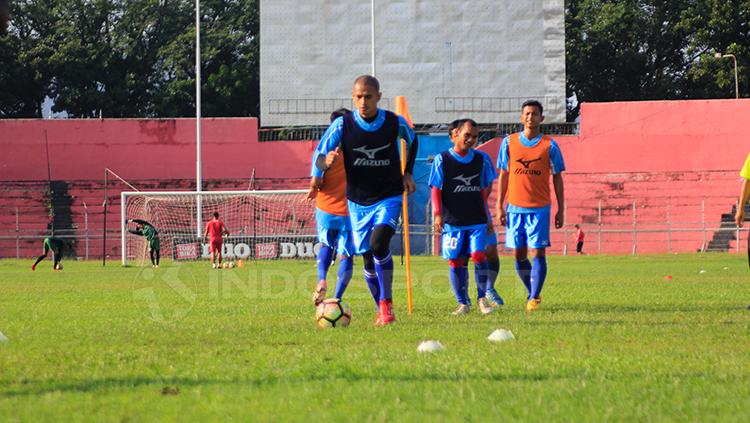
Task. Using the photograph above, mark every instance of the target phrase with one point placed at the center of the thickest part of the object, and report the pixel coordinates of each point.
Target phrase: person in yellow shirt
(739, 216)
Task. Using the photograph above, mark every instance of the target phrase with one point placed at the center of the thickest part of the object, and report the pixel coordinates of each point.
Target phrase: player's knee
(537, 252)
(456, 263)
(478, 257)
(380, 240)
(367, 262)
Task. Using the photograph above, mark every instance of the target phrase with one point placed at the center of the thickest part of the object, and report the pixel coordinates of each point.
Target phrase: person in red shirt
(216, 230)
(579, 239)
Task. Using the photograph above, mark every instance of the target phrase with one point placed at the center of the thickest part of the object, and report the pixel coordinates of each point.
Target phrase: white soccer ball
(59, 266)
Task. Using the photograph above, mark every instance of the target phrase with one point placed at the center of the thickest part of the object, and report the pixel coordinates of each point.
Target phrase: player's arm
(205, 231)
(142, 222)
(558, 166)
(436, 194)
(312, 192)
(328, 143)
(739, 216)
(435, 181)
(136, 232)
(557, 181)
(224, 230)
(502, 181)
(407, 133)
(488, 178)
(502, 192)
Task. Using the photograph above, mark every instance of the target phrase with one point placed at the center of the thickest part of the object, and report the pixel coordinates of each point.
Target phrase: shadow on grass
(41, 387)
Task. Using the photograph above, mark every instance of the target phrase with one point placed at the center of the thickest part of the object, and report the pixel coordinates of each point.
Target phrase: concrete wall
(145, 149)
(479, 58)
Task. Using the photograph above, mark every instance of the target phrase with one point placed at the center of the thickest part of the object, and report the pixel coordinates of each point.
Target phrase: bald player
(368, 139)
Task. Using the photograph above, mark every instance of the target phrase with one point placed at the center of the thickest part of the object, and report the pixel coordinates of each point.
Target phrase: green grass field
(613, 341)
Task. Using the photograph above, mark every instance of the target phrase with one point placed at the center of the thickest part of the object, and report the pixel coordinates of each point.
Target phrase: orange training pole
(403, 110)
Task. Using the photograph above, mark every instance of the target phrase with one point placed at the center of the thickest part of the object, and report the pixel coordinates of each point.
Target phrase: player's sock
(480, 272)
(372, 282)
(38, 259)
(456, 269)
(493, 269)
(480, 275)
(538, 274)
(384, 270)
(153, 259)
(158, 256)
(346, 266)
(523, 268)
(325, 257)
(463, 277)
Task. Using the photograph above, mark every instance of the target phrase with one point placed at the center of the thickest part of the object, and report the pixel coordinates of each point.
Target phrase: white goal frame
(198, 195)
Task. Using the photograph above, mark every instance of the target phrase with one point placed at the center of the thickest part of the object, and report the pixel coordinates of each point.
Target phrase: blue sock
(538, 274)
(325, 257)
(523, 268)
(493, 269)
(346, 266)
(480, 274)
(454, 274)
(372, 282)
(384, 270)
(463, 278)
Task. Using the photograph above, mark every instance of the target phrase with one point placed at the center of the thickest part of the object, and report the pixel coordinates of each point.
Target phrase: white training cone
(2, 337)
(501, 335)
(430, 346)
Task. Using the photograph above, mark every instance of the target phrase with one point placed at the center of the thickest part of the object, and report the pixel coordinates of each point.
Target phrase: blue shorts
(528, 230)
(365, 218)
(457, 244)
(335, 232)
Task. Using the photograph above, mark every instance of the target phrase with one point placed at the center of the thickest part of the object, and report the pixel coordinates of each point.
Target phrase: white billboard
(451, 59)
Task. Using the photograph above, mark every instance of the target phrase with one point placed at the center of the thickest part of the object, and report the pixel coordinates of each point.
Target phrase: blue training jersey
(486, 178)
(371, 154)
(557, 165)
(332, 137)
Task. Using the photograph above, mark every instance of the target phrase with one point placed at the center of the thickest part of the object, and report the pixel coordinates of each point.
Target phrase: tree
(129, 58)
(649, 50)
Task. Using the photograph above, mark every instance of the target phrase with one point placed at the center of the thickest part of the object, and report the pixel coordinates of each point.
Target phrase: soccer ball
(332, 313)
(59, 266)
(231, 265)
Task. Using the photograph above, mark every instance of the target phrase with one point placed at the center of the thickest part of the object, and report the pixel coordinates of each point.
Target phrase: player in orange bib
(215, 231)
(526, 161)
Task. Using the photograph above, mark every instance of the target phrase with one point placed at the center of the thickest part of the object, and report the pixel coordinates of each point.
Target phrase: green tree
(129, 58)
(649, 49)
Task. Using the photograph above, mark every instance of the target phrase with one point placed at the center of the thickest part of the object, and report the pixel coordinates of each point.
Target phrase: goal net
(262, 224)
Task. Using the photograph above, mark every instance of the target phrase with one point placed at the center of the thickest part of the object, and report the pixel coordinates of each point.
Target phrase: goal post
(262, 224)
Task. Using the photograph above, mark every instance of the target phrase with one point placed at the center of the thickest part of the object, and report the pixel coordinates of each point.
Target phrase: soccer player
(56, 246)
(217, 231)
(526, 161)
(148, 231)
(739, 215)
(461, 179)
(369, 141)
(332, 218)
(579, 239)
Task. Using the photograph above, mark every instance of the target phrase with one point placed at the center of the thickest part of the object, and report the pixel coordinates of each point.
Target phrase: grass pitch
(613, 340)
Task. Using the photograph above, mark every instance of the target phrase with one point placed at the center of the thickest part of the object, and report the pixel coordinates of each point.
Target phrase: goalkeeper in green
(148, 231)
(56, 246)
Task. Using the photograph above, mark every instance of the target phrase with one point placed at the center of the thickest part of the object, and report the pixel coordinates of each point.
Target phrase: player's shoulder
(483, 155)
